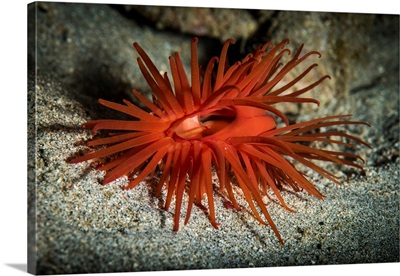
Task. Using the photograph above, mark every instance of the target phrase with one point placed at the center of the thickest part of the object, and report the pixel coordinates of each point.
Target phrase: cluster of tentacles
(222, 119)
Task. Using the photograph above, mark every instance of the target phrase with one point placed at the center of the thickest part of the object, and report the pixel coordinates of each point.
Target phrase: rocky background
(80, 52)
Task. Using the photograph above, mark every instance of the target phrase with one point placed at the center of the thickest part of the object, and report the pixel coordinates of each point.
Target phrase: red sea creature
(222, 120)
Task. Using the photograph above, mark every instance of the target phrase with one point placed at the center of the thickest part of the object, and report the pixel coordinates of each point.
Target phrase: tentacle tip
(215, 59)
(107, 180)
(125, 188)
(176, 54)
(216, 225)
(136, 45)
(230, 40)
(286, 41)
(73, 161)
(286, 121)
(100, 168)
(87, 124)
